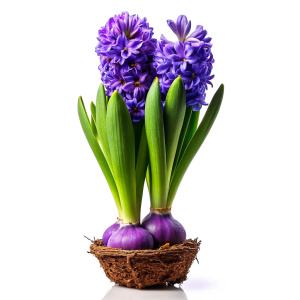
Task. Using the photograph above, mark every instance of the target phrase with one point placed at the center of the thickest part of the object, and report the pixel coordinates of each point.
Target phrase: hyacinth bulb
(110, 230)
(131, 237)
(164, 228)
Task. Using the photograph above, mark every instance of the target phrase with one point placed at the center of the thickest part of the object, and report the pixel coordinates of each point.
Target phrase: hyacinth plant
(184, 71)
(145, 122)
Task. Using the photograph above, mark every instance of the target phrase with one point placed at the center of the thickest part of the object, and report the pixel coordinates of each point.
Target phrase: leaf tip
(221, 89)
(115, 93)
(80, 101)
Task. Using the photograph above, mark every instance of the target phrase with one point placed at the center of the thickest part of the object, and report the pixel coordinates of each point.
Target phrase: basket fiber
(143, 268)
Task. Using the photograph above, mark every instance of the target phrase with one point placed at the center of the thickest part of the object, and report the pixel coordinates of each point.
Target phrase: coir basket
(142, 268)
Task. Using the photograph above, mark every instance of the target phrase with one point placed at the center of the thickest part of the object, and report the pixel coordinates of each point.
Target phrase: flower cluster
(126, 50)
(190, 57)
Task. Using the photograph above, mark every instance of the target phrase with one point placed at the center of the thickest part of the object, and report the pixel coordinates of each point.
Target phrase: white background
(240, 196)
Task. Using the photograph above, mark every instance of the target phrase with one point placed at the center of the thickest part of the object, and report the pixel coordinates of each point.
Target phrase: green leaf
(185, 125)
(193, 124)
(148, 178)
(93, 120)
(101, 121)
(93, 111)
(122, 153)
(196, 142)
(138, 129)
(154, 125)
(174, 113)
(87, 129)
(141, 167)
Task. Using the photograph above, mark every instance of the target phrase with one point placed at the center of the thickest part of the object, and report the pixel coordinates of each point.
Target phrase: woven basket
(142, 268)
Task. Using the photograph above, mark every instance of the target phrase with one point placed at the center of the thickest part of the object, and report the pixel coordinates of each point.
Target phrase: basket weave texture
(143, 268)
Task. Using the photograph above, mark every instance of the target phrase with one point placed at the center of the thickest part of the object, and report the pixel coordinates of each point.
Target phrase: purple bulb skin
(164, 228)
(131, 237)
(109, 231)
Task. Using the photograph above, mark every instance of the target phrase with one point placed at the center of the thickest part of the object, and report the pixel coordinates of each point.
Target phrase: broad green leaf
(154, 125)
(174, 113)
(122, 153)
(193, 124)
(141, 167)
(87, 129)
(196, 142)
(185, 125)
(101, 121)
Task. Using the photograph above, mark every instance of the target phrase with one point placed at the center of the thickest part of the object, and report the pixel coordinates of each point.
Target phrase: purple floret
(136, 109)
(190, 57)
(126, 49)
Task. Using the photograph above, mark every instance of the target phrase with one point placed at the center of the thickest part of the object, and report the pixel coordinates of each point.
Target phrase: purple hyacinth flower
(123, 49)
(128, 24)
(136, 109)
(192, 77)
(196, 97)
(184, 55)
(183, 27)
(116, 82)
(126, 48)
(137, 84)
(165, 83)
(137, 63)
(190, 57)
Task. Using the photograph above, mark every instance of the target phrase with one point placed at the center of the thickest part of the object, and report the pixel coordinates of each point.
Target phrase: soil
(143, 268)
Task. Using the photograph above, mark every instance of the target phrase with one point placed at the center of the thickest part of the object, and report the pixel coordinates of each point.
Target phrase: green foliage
(93, 120)
(138, 129)
(196, 142)
(181, 140)
(159, 149)
(141, 167)
(122, 153)
(101, 107)
(92, 140)
(174, 113)
(193, 125)
(155, 133)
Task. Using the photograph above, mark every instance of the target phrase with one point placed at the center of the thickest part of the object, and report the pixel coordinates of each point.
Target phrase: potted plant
(144, 125)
